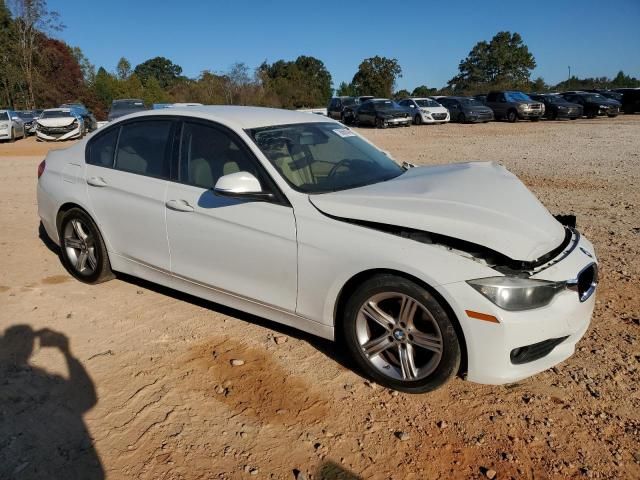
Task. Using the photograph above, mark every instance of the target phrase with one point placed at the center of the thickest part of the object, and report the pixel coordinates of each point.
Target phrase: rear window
(101, 149)
(143, 148)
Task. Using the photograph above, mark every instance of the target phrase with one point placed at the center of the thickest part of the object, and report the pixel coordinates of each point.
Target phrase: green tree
(538, 85)
(87, 68)
(160, 68)
(423, 91)
(32, 18)
(377, 76)
(503, 62)
(123, 69)
(400, 94)
(346, 90)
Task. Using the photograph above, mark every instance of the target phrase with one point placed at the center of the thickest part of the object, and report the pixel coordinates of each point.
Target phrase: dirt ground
(128, 380)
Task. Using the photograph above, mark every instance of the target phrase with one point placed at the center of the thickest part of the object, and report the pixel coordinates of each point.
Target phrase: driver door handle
(96, 182)
(179, 205)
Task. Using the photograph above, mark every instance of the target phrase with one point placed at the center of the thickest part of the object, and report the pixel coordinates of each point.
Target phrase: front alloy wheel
(400, 335)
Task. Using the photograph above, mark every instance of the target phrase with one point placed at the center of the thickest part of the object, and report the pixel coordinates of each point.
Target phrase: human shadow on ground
(42, 432)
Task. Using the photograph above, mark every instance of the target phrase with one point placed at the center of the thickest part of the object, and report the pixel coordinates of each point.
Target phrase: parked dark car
(466, 109)
(383, 113)
(125, 106)
(594, 104)
(612, 94)
(28, 117)
(481, 98)
(512, 105)
(90, 122)
(630, 99)
(556, 106)
(349, 111)
(338, 104)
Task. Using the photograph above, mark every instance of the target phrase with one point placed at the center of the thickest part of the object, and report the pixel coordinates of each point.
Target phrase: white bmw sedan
(419, 273)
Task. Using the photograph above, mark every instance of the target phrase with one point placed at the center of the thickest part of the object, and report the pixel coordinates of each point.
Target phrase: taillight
(41, 168)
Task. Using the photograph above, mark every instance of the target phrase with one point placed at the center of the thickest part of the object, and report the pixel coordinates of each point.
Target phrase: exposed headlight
(513, 293)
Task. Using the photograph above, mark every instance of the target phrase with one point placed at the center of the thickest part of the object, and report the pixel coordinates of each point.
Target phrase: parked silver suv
(513, 105)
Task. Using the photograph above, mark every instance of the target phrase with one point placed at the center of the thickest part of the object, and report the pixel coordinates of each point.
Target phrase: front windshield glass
(323, 157)
(56, 114)
(556, 99)
(384, 104)
(133, 105)
(4, 116)
(427, 102)
(471, 102)
(349, 101)
(517, 97)
(594, 97)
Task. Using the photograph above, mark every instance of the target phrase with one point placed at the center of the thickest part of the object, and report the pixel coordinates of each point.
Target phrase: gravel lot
(147, 390)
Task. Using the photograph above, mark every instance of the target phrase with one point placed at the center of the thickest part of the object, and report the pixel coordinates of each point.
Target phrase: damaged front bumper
(519, 344)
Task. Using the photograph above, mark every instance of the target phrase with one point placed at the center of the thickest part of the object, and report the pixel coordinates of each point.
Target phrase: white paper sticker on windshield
(344, 132)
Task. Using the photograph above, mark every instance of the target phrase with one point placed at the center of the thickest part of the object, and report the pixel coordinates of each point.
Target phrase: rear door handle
(96, 182)
(179, 205)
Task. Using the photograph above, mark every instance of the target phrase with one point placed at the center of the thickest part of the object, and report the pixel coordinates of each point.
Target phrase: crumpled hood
(479, 202)
(56, 122)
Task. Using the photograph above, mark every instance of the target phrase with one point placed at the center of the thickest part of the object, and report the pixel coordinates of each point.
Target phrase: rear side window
(101, 149)
(143, 148)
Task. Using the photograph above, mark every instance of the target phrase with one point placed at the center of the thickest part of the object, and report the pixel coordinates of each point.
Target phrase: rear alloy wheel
(400, 335)
(12, 137)
(417, 119)
(83, 251)
(512, 116)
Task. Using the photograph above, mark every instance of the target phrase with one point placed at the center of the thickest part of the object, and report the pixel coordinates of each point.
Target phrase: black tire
(573, 118)
(12, 138)
(448, 363)
(462, 118)
(553, 115)
(512, 116)
(93, 243)
(535, 119)
(380, 123)
(417, 119)
(612, 115)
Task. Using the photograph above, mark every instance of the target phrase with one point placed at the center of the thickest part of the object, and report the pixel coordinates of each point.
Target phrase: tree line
(38, 70)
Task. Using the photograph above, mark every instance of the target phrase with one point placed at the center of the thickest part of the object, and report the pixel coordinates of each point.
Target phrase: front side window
(102, 148)
(207, 153)
(143, 148)
(4, 116)
(323, 157)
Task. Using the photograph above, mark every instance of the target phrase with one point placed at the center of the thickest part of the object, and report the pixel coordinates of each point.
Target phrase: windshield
(132, 105)
(349, 101)
(427, 102)
(26, 115)
(471, 102)
(517, 97)
(594, 97)
(556, 99)
(384, 104)
(56, 114)
(4, 116)
(323, 157)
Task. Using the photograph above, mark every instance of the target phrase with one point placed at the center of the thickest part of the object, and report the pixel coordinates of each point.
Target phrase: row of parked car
(506, 105)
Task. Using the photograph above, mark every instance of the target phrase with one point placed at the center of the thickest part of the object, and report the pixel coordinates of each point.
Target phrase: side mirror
(241, 185)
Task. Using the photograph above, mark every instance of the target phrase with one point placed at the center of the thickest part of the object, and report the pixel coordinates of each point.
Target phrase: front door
(246, 248)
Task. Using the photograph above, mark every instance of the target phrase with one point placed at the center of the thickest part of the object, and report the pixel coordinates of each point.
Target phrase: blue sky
(428, 38)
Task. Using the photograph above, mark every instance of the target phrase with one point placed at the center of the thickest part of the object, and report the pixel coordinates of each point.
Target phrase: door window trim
(168, 149)
(279, 198)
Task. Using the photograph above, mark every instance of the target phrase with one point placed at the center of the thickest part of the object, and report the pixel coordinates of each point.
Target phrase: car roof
(58, 109)
(237, 116)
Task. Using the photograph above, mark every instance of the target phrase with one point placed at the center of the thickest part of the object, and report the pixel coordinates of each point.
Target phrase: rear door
(127, 171)
(243, 247)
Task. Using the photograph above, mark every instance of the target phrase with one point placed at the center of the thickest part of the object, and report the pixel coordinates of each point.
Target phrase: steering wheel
(344, 162)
